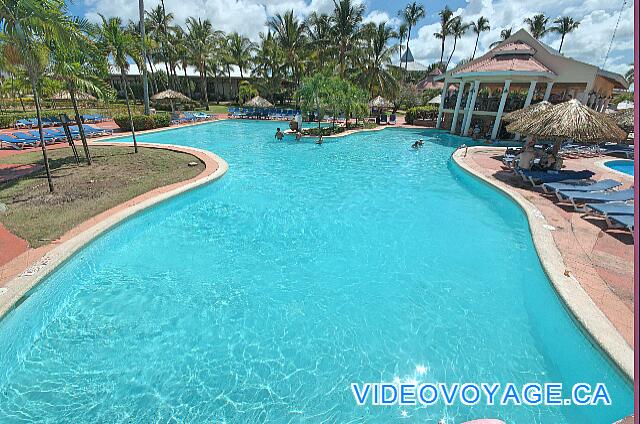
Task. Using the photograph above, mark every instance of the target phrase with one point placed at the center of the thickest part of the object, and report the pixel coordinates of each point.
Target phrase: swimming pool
(625, 166)
(262, 296)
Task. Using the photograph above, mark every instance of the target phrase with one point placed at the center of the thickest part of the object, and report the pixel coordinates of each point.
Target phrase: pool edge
(577, 301)
(19, 287)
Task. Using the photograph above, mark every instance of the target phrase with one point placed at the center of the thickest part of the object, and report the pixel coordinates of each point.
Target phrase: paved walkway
(600, 259)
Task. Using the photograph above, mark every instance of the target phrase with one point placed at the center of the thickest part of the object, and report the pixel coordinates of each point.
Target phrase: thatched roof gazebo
(170, 96)
(380, 103)
(569, 120)
(64, 95)
(258, 101)
(528, 112)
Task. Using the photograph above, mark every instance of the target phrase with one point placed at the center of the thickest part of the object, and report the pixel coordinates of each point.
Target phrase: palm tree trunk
(153, 75)
(400, 59)
(126, 98)
(166, 67)
(561, 41)
(406, 60)
(186, 79)
(206, 89)
(475, 47)
(36, 99)
(442, 50)
(85, 146)
(455, 41)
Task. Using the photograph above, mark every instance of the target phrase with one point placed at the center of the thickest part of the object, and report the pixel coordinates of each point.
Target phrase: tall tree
(446, 15)
(318, 29)
(346, 18)
(83, 70)
(29, 28)
(478, 27)
(537, 25)
(411, 14)
(269, 65)
(376, 70)
(241, 50)
(563, 26)
(458, 29)
(290, 34)
(402, 33)
(504, 34)
(143, 50)
(202, 42)
(121, 45)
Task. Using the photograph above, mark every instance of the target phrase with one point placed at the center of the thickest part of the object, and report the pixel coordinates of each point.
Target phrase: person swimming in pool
(418, 144)
(319, 140)
(298, 136)
(279, 134)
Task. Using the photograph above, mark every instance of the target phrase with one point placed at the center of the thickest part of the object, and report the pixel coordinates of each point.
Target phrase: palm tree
(402, 33)
(564, 25)
(504, 34)
(202, 44)
(479, 26)
(241, 49)
(120, 45)
(318, 29)
(458, 29)
(411, 14)
(159, 24)
(376, 70)
(269, 64)
(83, 70)
(629, 75)
(445, 21)
(537, 25)
(346, 20)
(290, 35)
(29, 28)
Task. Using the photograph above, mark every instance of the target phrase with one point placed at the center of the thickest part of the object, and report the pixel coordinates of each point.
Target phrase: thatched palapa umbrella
(170, 96)
(64, 95)
(527, 112)
(380, 103)
(569, 120)
(258, 101)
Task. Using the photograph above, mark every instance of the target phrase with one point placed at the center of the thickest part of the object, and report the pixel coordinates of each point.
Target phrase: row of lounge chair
(261, 113)
(390, 121)
(594, 198)
(52, 121)
(188, 117)
(19, 139)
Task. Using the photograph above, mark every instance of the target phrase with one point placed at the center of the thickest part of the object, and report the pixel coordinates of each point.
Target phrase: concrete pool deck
(29, 267)
(590, 268)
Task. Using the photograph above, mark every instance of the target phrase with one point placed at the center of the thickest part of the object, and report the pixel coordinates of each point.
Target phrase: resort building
(516, 73)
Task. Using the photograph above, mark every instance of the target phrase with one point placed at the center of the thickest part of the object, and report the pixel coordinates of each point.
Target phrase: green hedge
(143, 122)
(421, 112)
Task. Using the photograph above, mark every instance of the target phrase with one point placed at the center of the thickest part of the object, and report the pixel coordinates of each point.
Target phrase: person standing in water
(279, 134)
(319, 140)
(298, 136)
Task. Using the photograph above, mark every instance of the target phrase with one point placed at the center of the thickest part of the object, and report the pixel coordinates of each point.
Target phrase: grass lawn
(81, 192)
(220, 109)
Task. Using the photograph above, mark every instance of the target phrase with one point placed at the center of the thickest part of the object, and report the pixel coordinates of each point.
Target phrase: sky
(589, 43)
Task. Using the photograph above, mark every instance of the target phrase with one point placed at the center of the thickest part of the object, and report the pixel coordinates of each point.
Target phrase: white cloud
(588, 43)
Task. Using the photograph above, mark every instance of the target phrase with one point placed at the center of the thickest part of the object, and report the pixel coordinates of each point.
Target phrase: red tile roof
(505, 62)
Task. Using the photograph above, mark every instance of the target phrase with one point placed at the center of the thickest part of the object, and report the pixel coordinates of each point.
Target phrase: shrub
(143, 122)
(421, 112)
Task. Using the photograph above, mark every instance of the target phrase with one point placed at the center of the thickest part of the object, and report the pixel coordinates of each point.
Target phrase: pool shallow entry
(263, 296)
(625, 166)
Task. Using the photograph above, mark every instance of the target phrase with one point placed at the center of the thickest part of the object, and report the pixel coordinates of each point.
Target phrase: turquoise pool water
(625, 166)
(262, 296)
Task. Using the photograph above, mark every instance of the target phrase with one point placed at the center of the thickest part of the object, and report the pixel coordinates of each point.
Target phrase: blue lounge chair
(392, 119)
(617, 149)
(24, 123)
(32, 137)
(540, 177)
(96, 130)
(47, 137)
(580, 197)
(16, 143)
(581, 185)
(621, 221)
(612, 208)
(383, 119)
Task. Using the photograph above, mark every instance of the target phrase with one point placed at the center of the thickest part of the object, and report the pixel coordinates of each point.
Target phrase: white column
(469, 113)
(441, 108)
(503, 100)
(547, 92)
(465, 110)
(457, 109)
(527, 101)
